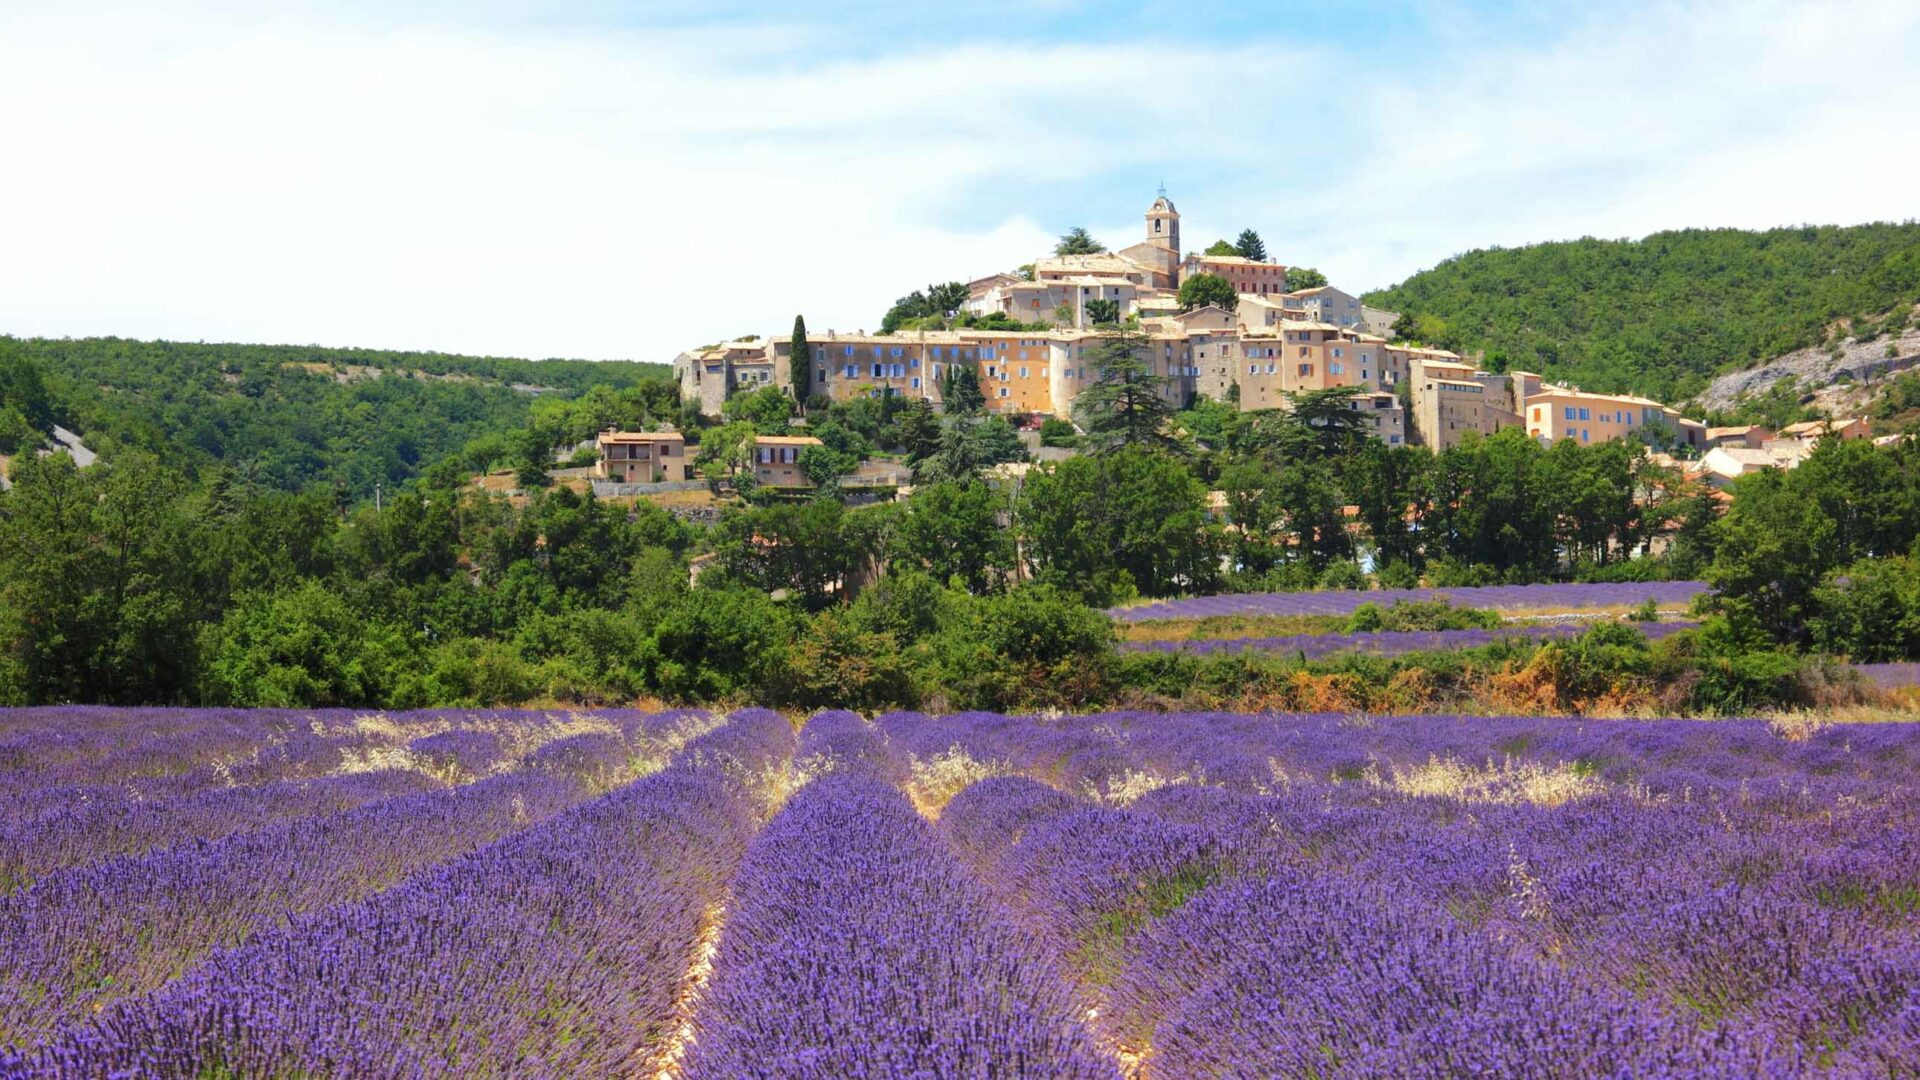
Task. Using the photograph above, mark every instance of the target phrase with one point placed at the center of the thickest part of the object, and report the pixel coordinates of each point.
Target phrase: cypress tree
(799, 362)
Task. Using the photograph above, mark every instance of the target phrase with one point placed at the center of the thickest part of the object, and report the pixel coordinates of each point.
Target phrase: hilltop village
(1254, 341)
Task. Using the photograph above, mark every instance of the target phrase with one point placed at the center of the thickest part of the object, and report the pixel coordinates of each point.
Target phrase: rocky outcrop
(1830, 380)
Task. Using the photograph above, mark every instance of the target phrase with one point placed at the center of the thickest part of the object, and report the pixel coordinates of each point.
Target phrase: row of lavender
(1390, 642)
(1565, 597)
(89, 784)
(526, 932)
(1296, 896)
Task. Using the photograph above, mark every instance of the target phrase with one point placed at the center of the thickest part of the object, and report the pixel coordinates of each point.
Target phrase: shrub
(1344, 574)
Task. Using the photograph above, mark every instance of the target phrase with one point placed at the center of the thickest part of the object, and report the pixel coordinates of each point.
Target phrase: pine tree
(1077, 241)
(962, 392)
(1125, 407)
(1250, 247)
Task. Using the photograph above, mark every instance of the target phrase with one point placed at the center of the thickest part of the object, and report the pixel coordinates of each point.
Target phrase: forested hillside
(289, 416)
(1660, 316)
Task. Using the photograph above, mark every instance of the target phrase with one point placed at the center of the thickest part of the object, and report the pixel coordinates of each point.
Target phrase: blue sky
(608, 179)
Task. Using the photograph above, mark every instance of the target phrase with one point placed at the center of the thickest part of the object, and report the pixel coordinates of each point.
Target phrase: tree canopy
(1304, 277)
(938, 302)
(1077, 241)
(1200, 290)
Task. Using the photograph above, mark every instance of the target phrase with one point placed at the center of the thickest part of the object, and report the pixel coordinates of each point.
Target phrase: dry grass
(938, 778)
(1127, 788)
(1508, 782)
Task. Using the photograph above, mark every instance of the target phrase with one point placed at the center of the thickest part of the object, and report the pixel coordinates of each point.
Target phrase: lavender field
(229, 893)
(1668, 595)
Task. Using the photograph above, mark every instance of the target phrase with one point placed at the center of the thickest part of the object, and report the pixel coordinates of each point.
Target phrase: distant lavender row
(561, 951)
(1666, 594)
(1891, 676)
(1391, 642)
(86, 937)
(86, 831)
(858, 947)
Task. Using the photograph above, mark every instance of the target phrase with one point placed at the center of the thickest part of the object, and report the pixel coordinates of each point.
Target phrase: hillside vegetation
(1660, 316)
(285, 416)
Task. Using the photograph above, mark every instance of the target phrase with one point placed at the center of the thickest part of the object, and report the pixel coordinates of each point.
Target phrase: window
(1583, 414)
(848, 352)
(1394, 439)
(1306, 369)
(1570, 412)
(1339, 352)
(1536, 414)
(1583, 434)
(1253, 369)
(879, 370)
(916, 382)
(1023, 372)
(1004, 392)
(896, 350)
(1336, 369)
(852, 371)
(820, 376)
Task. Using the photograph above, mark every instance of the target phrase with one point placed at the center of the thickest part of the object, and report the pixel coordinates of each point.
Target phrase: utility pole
(376, 497)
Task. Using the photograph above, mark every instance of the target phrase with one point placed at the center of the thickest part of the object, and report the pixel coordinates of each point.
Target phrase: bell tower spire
(1163, 222)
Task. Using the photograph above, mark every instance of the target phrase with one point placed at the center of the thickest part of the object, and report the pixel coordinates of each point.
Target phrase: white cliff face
(1835, 381)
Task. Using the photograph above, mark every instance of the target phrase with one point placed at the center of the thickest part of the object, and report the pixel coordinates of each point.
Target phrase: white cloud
(542, 193)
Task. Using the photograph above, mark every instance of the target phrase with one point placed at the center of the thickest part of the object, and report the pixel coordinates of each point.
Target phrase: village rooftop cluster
(1273, 343)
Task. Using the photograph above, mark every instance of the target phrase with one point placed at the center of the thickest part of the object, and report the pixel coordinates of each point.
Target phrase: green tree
(1870, 611)
(1033, 646)
(1106, 525)
(804, 549)
(1222, 247)
(531, 455)
(1103, 312)
(768, 409)
(1388, 486)
(956, 459)
(1077, 241)
(1125, 405)
(800, 361)
(303, 647)
(1201, 290)
(1304, 277)
(1249, 246)
(955, 531)
(917, 430)
(26, 409)
(962, 394)
(718, 644)
(98, 579)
